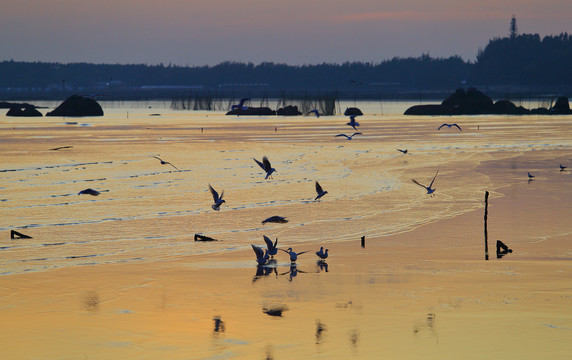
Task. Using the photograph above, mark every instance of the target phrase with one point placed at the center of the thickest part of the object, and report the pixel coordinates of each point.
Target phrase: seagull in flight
(265, 165)
(353, 123)
(315, 111)
(293, 255)
(322, 254)
(321, 192)
(428, 188)
(449, 125)
(240, 105)
(163, 162)
(349, 137)
(261, 255)
(403, 151)
(218, 200)
(271, 246)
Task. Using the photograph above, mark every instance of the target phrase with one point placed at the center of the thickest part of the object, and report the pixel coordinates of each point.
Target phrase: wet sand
(420, 288)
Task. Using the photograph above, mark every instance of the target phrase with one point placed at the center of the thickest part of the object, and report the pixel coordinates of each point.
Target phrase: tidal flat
(119, 275)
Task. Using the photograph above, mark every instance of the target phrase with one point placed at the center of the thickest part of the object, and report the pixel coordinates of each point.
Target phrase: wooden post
(486, 234)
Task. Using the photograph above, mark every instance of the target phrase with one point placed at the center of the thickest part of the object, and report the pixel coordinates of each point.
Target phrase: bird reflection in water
(218, 325)
(293, 272)
(321, 265)
(320, 330)
(265, 270)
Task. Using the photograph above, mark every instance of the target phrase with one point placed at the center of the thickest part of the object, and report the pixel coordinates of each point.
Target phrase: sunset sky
(207, 32)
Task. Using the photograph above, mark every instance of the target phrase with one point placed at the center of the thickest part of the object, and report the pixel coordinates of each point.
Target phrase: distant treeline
(518, 61)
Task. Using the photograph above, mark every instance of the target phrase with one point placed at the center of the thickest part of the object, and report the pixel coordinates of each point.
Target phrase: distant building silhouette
(513, 28)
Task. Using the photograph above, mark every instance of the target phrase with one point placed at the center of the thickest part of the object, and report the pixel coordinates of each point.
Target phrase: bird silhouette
(428, 188)
(293, 255)
(530, 176)
(240, 105)
(261, 255)
(271, 246)
(265, 165)
(562, 167)
(322, 254)
(321, 192)
(163, 162)
(315, 112)
(403, 151)
(450, 125)
(218, 200)
(349, 137)
(353, 123)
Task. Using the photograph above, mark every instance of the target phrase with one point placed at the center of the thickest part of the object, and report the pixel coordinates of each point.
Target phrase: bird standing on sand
(163, 162)
(449, 125)
(428, 188)
(265, 165)
(218, 200)
(322, 254)
(562, 167)
(261, 255)
(271, 246)
(321, 192)
(530, 176)
(293, 255)
(353, 123)
(349, 137)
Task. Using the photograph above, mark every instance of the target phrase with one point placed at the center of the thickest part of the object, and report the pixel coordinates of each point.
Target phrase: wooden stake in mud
(486, 234)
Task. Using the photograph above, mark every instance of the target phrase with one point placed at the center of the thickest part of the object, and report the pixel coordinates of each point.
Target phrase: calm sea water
(147, 211)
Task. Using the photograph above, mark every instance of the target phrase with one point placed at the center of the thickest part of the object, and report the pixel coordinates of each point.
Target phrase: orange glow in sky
(202, 32)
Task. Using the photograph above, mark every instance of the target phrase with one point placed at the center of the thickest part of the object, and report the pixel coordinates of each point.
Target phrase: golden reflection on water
(418, 289)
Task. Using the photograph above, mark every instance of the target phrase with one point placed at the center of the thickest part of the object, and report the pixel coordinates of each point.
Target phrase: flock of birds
(263, 256)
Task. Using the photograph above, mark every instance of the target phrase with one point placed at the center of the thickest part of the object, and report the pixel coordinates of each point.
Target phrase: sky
(294, 32)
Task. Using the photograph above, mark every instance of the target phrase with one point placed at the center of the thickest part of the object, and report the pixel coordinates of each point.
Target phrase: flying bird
(428, 188)
(403, 151)
(271, 246)
(315, 112)
(240, 105)
(293, 255)
(321, 192)
(275, 219)
(163, 162)
(89, 192)
(322, 254)
(265, 165)
(449, 125)
(218, 200)
(353, 123)
(349, 137)
(261, 255)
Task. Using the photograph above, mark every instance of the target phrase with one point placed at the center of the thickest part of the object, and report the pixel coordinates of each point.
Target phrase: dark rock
(353, 111)
(24, 112)
(77, 105)
(252, 111)
(290, 110)
(562, 106)
(433, 110)
(199, 237)
(471, 102)
(474, 102)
